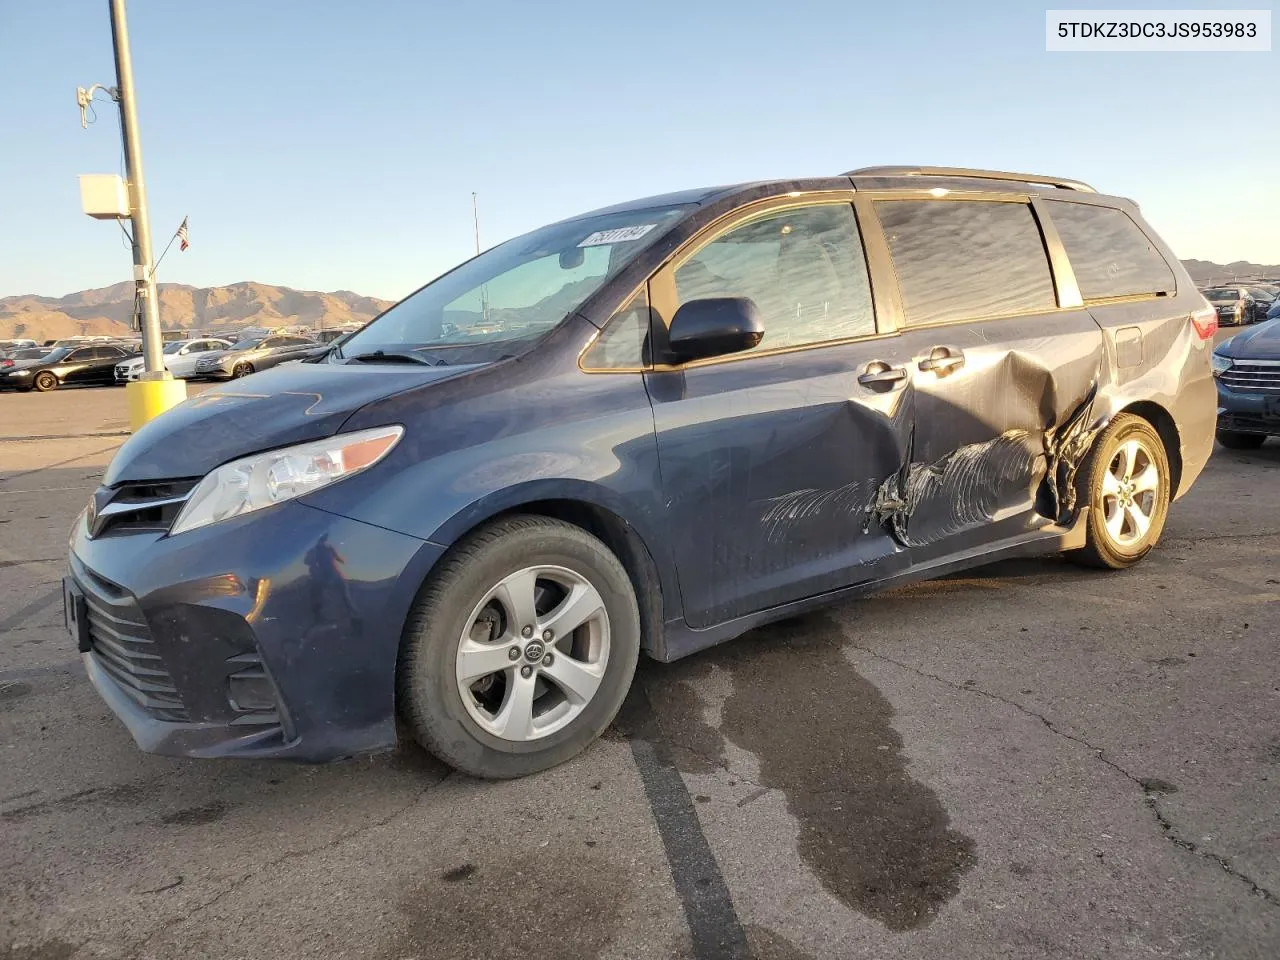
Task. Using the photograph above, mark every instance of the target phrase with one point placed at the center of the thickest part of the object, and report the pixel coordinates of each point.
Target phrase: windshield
(518, 290)
(1222, 294)
(175, 346)
(245, 345)
(57, 353)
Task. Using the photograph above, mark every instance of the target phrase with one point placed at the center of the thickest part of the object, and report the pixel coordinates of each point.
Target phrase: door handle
(942, 360)
(879, 374)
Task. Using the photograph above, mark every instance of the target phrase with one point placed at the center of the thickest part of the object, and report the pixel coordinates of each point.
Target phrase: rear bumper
(273, 635)
(1194, 412)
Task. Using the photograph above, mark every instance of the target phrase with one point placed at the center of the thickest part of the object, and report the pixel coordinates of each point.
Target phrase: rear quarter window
(1109, 253)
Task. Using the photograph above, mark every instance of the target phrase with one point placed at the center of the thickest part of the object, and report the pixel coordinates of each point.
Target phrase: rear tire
(45, 381)
(1240, 441)
(470, 661)
(1126, 481)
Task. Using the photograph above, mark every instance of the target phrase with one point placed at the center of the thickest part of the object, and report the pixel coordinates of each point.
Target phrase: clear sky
(335, 145)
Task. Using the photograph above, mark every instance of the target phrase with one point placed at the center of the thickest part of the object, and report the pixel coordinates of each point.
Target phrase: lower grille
(1248, 423)
(120, 643)
(1246, 377)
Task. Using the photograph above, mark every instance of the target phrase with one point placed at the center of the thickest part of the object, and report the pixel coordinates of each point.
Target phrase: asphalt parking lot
(1027, 761)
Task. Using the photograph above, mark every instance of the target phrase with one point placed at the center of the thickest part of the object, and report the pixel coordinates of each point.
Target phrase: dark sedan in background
(250, 356)
(91, 364)
(1247, 368)
(1236, 305)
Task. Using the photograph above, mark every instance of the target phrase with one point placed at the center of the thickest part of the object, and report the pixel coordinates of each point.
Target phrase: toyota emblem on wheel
(534, 651)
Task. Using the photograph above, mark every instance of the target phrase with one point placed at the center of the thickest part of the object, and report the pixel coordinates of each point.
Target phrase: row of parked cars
(102, 362)
(1239, 304)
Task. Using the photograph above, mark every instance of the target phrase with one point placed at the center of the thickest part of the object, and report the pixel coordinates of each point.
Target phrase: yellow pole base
(148, 399)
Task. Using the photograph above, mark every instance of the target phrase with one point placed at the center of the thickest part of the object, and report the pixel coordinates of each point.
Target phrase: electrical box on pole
(104, 196)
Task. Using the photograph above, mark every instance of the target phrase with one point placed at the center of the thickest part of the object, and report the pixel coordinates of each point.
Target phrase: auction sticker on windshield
(617, 235)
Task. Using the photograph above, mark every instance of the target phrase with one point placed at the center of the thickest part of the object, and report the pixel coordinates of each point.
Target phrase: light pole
(156, 390)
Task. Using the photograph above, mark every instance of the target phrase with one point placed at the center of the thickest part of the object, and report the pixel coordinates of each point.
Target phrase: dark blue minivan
(646, 429)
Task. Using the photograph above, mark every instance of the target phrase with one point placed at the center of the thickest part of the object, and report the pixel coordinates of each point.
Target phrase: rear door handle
(942, 360)
(880, 374)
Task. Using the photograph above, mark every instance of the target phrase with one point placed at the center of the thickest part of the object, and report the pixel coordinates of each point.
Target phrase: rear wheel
(520, 648)
(1240, 441)
(1127, 483)
(45, 381)
(241, 370)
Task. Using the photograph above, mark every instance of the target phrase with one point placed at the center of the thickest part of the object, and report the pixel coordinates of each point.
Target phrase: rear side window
(1109, 253)
(965, 260)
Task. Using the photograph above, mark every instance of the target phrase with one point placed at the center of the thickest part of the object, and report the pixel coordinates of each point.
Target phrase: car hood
(276, 408)
(1257, 343)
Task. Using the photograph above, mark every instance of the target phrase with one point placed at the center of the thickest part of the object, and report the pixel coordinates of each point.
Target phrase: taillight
(1205, 322)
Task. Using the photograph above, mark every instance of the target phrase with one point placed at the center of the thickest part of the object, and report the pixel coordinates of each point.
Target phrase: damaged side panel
(768, 465)
(997, 440)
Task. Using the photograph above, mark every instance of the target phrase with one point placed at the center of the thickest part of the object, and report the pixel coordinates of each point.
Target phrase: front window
(509, 296)
(802, 267)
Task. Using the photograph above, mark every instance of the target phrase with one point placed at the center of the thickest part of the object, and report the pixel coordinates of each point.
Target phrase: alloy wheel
(1130, 490)
(533, 653)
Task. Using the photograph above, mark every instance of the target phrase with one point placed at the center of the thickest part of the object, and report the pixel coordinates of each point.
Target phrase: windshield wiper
(381, 356)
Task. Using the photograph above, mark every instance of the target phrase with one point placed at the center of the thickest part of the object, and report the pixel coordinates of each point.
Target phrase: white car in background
(180, 358)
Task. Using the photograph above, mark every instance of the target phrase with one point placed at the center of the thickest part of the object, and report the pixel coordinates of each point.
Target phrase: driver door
(78, 365)
(770, 457)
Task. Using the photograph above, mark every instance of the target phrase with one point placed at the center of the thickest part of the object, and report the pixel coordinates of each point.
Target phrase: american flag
(183, 240)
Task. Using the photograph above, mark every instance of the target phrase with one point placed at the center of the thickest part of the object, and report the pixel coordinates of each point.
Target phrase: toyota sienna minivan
(647, 429)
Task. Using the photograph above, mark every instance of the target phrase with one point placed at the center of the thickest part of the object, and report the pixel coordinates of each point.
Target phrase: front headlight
(265, 479)
(1220, 364)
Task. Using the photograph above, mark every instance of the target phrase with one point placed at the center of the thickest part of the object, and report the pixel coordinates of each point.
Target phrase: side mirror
(714, 327)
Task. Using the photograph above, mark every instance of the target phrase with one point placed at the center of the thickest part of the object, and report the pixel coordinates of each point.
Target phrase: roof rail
(968, 172)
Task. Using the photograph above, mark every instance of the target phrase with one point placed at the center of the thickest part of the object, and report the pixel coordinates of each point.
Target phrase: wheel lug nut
(526, 672)
(548, 660)
(526, 632)
(547, 635)
(514, 653)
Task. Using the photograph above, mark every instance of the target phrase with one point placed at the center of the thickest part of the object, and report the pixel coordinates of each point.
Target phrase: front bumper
(1248, 412)
(272, 635)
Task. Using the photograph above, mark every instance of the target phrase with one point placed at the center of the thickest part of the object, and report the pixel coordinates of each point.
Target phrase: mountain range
(1205, 271)
(107, 310)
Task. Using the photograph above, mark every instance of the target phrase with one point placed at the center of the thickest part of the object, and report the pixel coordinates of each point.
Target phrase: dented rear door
(1004, 368)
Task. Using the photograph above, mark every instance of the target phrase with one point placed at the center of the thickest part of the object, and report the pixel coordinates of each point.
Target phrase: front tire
(1127, 483)
(241, 370)
(519, 649)
(1240, 441)
(45, 381)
